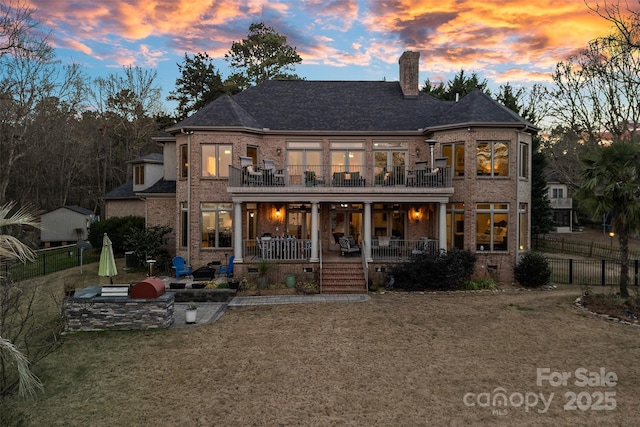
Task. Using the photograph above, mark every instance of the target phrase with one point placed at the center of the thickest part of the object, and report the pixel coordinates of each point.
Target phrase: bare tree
(624, 18)
(597, 92)
(125, 107)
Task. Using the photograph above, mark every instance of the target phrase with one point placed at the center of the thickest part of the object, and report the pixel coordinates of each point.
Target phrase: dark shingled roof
(79, 209)
(161, 187)
(148, 158)
(125, 191)
(364, 106)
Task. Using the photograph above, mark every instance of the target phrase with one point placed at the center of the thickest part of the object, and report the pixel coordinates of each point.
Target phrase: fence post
(44, 263)
(635, 271)
(603, 273)
(570, 271)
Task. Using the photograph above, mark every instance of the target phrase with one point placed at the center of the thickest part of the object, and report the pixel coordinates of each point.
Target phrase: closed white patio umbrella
(107, 266)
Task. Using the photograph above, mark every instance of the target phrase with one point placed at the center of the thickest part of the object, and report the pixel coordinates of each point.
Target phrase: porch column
(237, 232)
(442, 226)
(314, 233)
(367, 231)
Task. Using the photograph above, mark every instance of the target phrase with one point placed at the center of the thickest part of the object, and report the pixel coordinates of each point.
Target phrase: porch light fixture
(417, 151)
(279, 151)
(252, 214)
(415, 214)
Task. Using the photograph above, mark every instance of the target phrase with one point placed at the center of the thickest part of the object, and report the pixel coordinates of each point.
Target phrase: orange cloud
(502, 38)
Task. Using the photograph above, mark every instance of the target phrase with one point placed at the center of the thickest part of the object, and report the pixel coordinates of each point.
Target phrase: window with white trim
(493, 158)
(216, 159)
(217, 225)
(492, 226)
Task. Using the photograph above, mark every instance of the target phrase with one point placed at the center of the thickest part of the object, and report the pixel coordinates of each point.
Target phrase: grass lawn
(399, 359)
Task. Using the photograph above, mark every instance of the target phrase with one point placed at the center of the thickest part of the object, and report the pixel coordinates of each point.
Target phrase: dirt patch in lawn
(398, 359)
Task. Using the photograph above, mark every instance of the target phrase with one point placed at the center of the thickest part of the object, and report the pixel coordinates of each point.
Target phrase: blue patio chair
(180, 268)
(227, 269)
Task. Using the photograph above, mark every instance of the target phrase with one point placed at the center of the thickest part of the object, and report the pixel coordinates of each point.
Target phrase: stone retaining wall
(88, 311)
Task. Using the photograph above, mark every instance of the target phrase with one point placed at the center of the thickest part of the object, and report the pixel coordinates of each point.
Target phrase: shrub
(116, 228)
(533, 270)
(148, 243)
(480, 284)
(445, 271)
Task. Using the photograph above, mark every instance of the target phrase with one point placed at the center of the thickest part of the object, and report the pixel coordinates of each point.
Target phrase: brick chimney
(409, 67)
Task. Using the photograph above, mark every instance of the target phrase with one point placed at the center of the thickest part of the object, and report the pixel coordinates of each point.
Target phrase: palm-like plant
(11, 248)
(611, 183)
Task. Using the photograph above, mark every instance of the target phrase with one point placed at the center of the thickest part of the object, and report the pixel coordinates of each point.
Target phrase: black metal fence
(590, 250)
(591, 272)
(48, 261)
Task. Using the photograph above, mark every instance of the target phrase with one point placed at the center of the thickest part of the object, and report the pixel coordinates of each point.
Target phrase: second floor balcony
(317, 178)
(561, 203)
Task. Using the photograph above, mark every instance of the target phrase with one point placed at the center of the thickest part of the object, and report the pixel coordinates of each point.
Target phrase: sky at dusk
(503, 41)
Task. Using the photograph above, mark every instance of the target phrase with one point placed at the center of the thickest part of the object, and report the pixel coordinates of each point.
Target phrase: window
(455, 157)
(348, 160)
(524, 227)
(301, 161)
(523, 169)
(493, 158)
(216, 159)
(138, 175)
(492, 226)
(184, 225)
(557, 193)
(217, 225)
(455, 225)
(184, 161)
(389, 164)
(347, 157)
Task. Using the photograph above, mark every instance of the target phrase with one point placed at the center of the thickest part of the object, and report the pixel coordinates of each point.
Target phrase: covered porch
(278, 227)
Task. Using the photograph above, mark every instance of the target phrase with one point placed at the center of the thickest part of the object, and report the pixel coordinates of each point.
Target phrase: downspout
(188, 193)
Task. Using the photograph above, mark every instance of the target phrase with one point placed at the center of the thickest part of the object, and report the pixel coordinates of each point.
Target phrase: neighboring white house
(562, 206)
(67, 224)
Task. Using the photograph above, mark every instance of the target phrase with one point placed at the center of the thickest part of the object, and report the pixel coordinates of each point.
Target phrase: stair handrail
(320, 260)
(365, 264)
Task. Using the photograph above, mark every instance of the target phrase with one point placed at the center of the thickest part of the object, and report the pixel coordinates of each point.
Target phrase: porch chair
(227, 269)
(180, 268)
(249, 175)
(276, 177)
(347, 247)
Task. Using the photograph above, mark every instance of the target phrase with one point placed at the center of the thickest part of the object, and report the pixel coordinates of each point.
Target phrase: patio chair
(227, 269)
(275, 177)
(250, 176)
(347, 248)
(180, 267)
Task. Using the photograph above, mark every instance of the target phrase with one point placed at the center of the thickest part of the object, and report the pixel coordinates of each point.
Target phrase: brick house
(151, 193)
(286, 170)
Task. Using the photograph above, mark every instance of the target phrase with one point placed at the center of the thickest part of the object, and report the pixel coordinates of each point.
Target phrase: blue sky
(503, 41)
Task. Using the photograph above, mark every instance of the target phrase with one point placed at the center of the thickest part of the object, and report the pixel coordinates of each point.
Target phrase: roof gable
(478, 107)
(223, 111)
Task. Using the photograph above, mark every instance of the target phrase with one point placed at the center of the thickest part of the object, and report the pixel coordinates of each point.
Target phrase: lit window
(216, 159)
(493, 158)
(217, 225)
(492, 226)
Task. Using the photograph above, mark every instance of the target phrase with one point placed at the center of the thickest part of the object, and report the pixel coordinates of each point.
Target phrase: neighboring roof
(163, 186)
(148, 158)
(125, 191)
(77, 209)
(362, 106)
